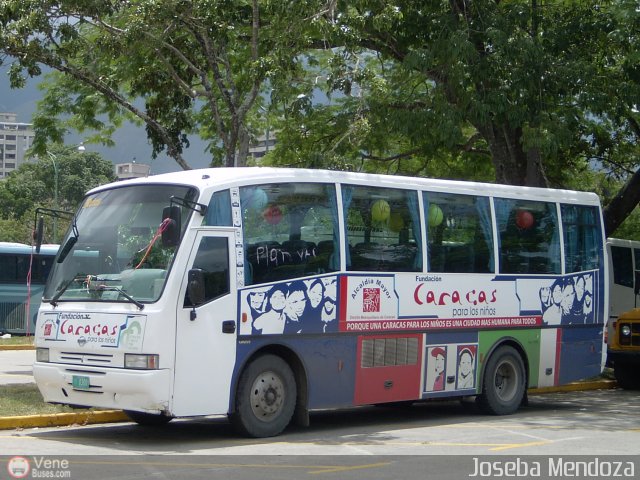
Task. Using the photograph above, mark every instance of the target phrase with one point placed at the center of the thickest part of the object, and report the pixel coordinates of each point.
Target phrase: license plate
(80, 382)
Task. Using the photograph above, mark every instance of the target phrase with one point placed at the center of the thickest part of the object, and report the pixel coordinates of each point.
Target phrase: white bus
(624, 281)
(264, 294)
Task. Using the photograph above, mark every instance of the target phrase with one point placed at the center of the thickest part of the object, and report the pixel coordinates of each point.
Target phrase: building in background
(125, 171)
(15, 139)
(261, 145)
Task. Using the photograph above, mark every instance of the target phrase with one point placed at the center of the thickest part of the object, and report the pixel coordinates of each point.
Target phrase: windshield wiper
(87, 280)
(56, 297)
(107, 288)
(71, 241)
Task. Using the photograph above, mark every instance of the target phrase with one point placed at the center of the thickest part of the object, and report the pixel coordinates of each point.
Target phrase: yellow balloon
(435, 215)
(380, 211)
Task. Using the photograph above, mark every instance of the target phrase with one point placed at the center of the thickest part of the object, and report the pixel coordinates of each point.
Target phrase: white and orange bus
(265, 293)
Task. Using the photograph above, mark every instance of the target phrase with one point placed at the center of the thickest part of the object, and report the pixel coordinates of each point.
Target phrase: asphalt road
(16, 366)
(602, 422)
(439, 440)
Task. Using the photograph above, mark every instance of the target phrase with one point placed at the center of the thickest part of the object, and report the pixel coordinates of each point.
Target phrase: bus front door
(205, 333)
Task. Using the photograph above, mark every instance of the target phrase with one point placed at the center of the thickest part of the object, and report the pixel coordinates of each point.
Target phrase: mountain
(130, 140)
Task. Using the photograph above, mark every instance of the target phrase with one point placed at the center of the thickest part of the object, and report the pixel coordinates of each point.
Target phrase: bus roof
(621, 242)
(226, 177)
(21, 248)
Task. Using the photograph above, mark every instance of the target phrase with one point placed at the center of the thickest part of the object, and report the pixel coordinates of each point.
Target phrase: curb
(17, 347)
(116, 416)
(63, 419)
(576, 387)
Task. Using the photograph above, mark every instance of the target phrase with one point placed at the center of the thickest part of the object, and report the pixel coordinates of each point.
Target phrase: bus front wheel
(504, 382)
(266, 397)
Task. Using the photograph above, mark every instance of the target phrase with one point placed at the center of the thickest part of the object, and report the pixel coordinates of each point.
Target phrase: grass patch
(17, 340)
(25, 399)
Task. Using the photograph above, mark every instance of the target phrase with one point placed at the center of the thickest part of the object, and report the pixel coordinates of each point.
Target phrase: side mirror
(39, 233)
(171, 234)
(66, 248)
(195, 286)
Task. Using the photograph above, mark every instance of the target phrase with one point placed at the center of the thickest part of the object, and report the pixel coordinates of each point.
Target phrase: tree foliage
(33, 185)
(196, 66)
(525, 92)
(544, 91)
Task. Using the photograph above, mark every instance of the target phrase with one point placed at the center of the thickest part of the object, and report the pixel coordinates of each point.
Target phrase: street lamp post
(55, 194)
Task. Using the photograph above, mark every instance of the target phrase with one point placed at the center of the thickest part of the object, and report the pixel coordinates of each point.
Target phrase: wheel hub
(506, 381)
(267, 396)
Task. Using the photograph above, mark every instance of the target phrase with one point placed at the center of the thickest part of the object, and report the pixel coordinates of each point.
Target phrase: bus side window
(529, 236)
(459, 233)
(8, 269)
(213, 259)
(582, 240)
(284, 225)
(622, 266)
(383, 229)
(219, 210)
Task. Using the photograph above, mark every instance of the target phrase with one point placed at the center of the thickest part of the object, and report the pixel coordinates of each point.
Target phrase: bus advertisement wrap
(417, 302)
(264, 294)
(101, 330)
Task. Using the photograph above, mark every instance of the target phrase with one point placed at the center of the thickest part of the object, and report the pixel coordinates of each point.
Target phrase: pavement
(16, 366)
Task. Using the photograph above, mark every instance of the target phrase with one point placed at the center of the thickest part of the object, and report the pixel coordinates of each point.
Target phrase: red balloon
(272, 215)
(524, 219)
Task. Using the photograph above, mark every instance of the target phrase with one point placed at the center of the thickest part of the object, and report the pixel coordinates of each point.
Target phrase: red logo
(370, 299)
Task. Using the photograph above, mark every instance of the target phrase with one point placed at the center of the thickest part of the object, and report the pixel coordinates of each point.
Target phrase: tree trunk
(243, 147)
(512, 164)
(622, 204)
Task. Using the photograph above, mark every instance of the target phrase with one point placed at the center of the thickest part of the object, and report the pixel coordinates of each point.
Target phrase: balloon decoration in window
(380, 211)
(524, 219)
(272, 214)
(435, 216)
(260, 199)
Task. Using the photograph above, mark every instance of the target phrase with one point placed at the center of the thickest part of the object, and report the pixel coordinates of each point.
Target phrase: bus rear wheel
(148, 419)
(504, 382)
(265, 398)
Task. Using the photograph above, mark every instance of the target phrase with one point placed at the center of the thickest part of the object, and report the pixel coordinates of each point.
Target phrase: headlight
(141, 361)
(42, 354)
(625, 330)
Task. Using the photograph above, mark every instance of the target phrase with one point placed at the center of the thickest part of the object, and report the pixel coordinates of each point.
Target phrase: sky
(130, 141)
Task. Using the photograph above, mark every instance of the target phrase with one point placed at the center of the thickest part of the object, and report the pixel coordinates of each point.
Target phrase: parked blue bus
(16, 295)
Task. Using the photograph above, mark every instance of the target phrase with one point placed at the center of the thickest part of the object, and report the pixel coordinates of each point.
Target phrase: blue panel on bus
(451, 337)
(329, 363)
(580, 353)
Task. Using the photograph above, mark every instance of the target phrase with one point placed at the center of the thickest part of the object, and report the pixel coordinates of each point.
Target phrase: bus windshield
(118, 255)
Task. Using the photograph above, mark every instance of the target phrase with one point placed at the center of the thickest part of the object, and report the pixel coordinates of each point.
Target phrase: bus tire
(265, 398)
(504, 382)
(148, 419)
(626, 376)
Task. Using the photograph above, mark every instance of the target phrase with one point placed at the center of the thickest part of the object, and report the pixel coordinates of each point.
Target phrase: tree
(541, 90)
(197, 66)
(534, 91)
(33, 185)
